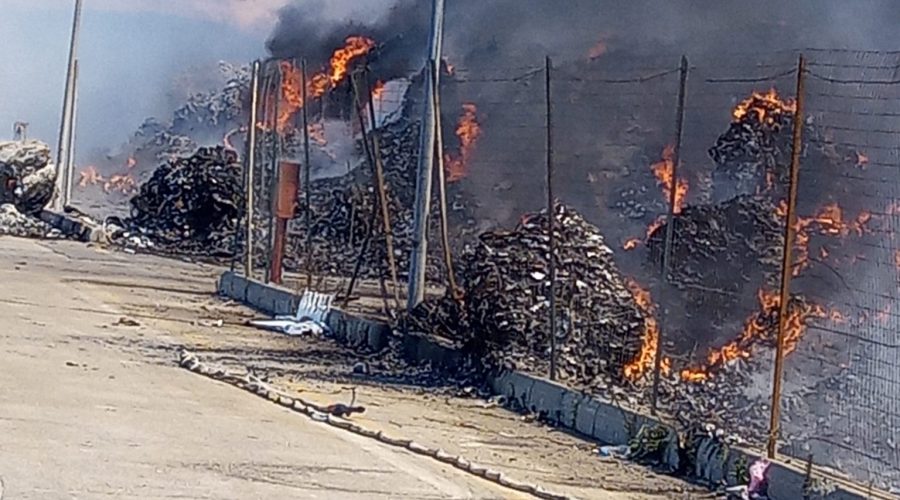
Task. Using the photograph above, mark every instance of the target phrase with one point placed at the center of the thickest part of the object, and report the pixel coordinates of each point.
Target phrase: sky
(131, 54)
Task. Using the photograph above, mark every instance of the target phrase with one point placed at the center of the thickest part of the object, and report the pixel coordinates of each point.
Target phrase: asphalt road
(80, 419)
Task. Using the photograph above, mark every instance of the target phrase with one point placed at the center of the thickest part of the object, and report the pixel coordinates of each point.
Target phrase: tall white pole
(425, 166)
(65, 127)
(70, 157)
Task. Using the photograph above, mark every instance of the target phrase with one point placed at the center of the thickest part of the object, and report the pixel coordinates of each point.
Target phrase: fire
(598, 50)
(766, 106)
(319, 82)
(828, 221)
(861, 160)
(317, 133)
(378, 90)
(121, 183)
(89, 177)
(355, 46)
(656, 224)
(631, 244)
(131, 163)
(664, 170)
(762, 326)
(650, 343)
(468, 130)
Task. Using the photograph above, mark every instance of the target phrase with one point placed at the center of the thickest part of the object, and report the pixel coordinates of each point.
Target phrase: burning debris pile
(722, 252)
(753, 155)
(342, 208)
(191, 205)
(504, 312)
(28, 183)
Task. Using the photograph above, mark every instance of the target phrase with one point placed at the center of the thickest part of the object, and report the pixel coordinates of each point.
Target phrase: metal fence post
(786, 262)
(307, 179)
(273, 175)
(248, 175)
(551, 216)
(670, 230)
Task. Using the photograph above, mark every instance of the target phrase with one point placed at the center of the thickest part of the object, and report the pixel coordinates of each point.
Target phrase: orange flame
(631, 244)
(317, 133)
(131, 163)
(355, 46)
(650, 339)
(598, 50)
(762, 326)
(766, 106)
(320, 82)
(664, 170)
(378, 90)
(829, 221)
(468, 130)
(120, 183)
(89, 177)
(861, 160)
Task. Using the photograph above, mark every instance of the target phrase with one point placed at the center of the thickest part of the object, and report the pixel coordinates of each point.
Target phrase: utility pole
(787, 261)
(670, 232)
(70, 158)
(425, 168)
(66, 125)
(551, 215)
(249, 174)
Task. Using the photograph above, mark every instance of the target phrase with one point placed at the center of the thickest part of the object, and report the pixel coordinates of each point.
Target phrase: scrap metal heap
(190, 205)
(503, 314)
(29, 184)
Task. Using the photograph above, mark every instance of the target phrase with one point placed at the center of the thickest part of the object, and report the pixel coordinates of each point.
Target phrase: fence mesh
(613, 124)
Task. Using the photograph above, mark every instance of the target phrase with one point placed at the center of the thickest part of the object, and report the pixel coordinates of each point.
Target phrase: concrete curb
(589, 416)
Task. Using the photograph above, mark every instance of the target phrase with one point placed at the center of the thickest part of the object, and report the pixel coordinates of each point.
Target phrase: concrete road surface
(82, 420)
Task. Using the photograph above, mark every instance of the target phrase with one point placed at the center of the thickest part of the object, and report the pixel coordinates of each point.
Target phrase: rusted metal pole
(442, 183)
(307, 181)
(787, 260)
(382, 192)
(249, 174)
(551, 216)
(670, 232)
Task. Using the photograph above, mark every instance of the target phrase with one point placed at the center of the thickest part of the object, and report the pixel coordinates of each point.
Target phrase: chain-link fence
(629, 143)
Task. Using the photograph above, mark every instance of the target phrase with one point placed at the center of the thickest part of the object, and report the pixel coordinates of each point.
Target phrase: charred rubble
(191, 204)
(503, 314)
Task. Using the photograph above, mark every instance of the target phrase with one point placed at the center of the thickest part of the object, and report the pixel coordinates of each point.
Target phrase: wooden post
(670, 233)
(382, 191)
(551, 216)
(249, 174)
(442, 184)
(787, 260)
(307, 181)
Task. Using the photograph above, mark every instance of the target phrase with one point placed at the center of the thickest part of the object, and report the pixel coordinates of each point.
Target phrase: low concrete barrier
(589, 416)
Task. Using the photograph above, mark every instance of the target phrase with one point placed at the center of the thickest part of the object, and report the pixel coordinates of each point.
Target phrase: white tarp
(309, 318)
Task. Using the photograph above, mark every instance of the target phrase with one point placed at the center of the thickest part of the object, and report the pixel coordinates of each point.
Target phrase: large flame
(468, 130)
(319, 82)
(645, 360)
(767, 107)
(664, 170)
(355, 46)
(762, 326)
